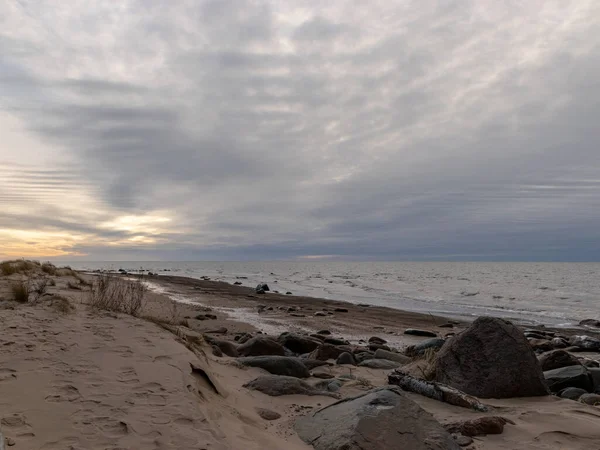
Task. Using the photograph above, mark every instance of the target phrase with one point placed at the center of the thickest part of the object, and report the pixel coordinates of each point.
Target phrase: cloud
(265, 130)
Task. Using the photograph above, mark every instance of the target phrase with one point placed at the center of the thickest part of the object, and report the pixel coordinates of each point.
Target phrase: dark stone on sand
(220, 330)
(238, 283)
(320, 314)
(380, 364)
(259, 291)
(326, 351)
(420, 348)
(297, 315)
(446, 325)
(324, 332)
(424, 333)
(590, 399)
(341, 310)
(377, 340)
(276, 386)
(590, 323)
(320, 337)
(312, 363)
(585, 342)
(298, 343)
(391, 356)
(288, 293)
(262, 287)
(335, 341)
(541, 345)
(491, 359)
(329, 385)
(375, 347)
(381, 419)
(463, 441)
(226, 347)
(479, 427)
(267, 414)
(242, 338)
(558, 342)
(216, 351)
(321, 374)
(261, 345)
(346, 358)
(557, 359)
(278, 365)
(572, 393)
(571, 376)
(362, 356)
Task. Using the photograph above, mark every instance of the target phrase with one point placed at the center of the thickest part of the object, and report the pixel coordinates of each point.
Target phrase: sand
(99, 380)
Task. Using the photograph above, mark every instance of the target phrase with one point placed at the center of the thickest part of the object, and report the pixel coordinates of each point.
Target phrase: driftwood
(436, 391)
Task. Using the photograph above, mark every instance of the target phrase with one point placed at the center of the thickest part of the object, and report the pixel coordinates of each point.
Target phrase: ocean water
(549, 293)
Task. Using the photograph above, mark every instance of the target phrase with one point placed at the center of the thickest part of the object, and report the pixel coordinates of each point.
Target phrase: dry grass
(18, 266)
(74, 286)
(39, 287)
(20, 291)
(82, 281)
(61, 304)
(115, 294)
(49, 268)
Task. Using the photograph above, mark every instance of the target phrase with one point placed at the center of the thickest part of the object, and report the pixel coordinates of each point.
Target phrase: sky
(304, 130)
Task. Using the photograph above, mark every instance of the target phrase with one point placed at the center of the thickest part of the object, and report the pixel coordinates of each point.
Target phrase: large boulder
(278, 365)
(298, 343)
(381, 419)
(586, 343)
(328, 351)
(571, 376)
(557, 359)
(259, 346)
(276, 386)
(491, 359)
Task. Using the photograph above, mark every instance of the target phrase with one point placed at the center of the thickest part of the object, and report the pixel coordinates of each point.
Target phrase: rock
(572, 393)
(267, 414)
(447, 325)
(375, 347)
(322, 375)
(377, 340)
(590, 323)
(261, 345)
(298, 343)
(479, 427)
(589, 363)
(288, 293)
(557, 359)
(341, 310)
(320, 337)
(238, 283)
(278, 365)
(242, 338)
(543, 345)
(559, 343)
(334, 341)
(312, 363)
(324, 332)
(216, 351)
(258, 291)
(320, 314)
(276, 386)
(420, 348)
(391, 356)
(262, 287)
(414, 332)
(326, 351)
(586, 342)
(329, 385)
(10, 442)
(381, 419)
(595, 374)
(379, 364)
(571, 376)
(362, 356)
(297, 315)
(226, 347)
(220, 330)
(463, 441)
(590, 399)
(491, 359)
(346, 358)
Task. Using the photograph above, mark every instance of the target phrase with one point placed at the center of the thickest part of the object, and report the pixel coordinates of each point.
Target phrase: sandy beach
(78, 378)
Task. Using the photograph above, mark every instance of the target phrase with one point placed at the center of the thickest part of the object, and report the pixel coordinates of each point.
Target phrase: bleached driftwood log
(436, 391)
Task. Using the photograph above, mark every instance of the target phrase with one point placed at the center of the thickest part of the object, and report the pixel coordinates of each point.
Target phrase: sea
(558, 294)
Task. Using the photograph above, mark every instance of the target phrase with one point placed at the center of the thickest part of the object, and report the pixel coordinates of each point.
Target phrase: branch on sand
(436, 391)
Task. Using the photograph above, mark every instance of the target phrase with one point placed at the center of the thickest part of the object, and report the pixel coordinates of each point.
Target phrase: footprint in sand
(7, 374)
(17, 425)
(128, 375)
(63, 393)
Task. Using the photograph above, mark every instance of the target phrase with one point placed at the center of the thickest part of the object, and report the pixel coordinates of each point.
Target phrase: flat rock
(380, 364)
(384, 354)
(586, 342)
(590, 399)
(259, 346)
(278, 365)
(479, 427)
(490, 359)
(424, 333)
(571, 376)
(276, 386)
(327, 351)
(557, 359)
(346, 358)
(377, 340)
(381, 419)
(590, 323)
(336, 341)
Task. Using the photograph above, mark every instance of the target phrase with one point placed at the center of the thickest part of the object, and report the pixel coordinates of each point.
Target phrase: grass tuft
(115, 294)
(20, 291)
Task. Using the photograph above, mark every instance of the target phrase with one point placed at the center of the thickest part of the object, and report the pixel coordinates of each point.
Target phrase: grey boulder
(298, 343)
(381, 419)
(571, 376)
(259, 346)
(276, 386)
